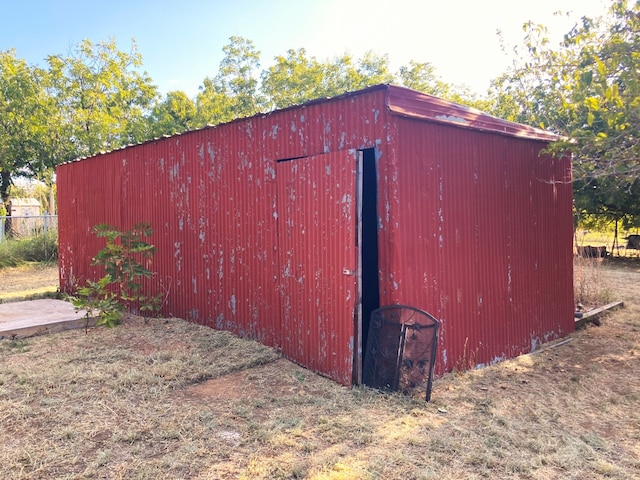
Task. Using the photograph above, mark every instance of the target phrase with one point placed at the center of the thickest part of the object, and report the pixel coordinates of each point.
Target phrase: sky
(181, 41)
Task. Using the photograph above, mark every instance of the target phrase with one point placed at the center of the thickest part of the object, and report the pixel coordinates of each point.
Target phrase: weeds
(590, 285)
(42, 248)
(126, 259)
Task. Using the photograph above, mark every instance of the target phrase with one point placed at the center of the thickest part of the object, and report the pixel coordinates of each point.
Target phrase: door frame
(357, 314)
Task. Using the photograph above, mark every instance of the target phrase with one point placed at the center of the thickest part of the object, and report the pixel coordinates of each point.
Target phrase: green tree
(94, 99)
(126, 259)
(233, 92)
(297, 78)
(176, 113)
(103, 97)
(422, 76)
(293, 79)
(343, 74)
(588, 91)
(24, 115)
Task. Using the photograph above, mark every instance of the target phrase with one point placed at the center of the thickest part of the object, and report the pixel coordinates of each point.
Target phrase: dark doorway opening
(369, 247)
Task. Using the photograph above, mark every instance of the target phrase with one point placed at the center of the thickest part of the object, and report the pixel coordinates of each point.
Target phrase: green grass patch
(16, 252)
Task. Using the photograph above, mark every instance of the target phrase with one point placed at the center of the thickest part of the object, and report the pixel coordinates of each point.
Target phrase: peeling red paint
(256, 225)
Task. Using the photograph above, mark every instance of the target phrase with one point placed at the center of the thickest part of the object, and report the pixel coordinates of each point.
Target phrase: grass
(17, 252)
(77, 405)
(173, 400)
(591, 287)
(29, 281)
(598, 238)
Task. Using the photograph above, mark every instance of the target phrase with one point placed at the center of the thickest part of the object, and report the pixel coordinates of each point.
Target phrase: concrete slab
(38, 317)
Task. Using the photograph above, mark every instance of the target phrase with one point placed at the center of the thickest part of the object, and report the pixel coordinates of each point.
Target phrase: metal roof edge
(400, 101)
(410, 103)
(309, 103)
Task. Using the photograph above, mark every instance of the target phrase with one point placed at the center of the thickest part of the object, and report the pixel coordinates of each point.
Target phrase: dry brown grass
(173, 400)
(28, 281)
(590, 281)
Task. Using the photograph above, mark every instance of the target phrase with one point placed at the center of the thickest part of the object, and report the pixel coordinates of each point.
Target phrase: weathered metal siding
(82, 202)
(212, 199)
(318, 260)
(474, 226)
(481, 228)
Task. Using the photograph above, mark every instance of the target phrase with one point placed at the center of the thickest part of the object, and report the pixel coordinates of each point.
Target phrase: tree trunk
(5, 183)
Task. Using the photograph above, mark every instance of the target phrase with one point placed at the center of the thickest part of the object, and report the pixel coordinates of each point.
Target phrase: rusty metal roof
(409, 103)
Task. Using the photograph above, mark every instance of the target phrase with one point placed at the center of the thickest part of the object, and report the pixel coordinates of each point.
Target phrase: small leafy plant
(97, 300)
(126, 259)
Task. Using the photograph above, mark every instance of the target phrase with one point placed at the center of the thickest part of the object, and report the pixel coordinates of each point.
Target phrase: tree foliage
(176, 113)
(587, 90)
(293, 79)
(298, 78)
(96, 98)
(91, 100)
(422, 76)
(102, 97)
(24, 117)
(126, 259)
(233, 92)
(344, 74)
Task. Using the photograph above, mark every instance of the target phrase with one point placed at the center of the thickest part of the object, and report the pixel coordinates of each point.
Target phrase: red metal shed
(291, 227)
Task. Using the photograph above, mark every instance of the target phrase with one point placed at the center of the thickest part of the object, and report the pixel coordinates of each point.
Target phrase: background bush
(42, 248)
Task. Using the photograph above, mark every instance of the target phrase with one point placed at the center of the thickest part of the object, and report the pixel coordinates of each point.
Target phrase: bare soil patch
(168, 399)
(277, 376)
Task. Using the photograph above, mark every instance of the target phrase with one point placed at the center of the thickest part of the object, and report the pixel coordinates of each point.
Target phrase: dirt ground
(167, 399)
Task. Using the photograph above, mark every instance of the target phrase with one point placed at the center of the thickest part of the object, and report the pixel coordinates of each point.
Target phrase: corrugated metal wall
(482, 230)
(474, 227)
(212, 197)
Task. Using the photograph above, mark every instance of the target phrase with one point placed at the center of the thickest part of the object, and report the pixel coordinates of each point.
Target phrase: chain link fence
(27, 226)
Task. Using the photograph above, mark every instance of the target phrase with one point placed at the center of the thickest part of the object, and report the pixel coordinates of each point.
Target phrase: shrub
(42, 248)
(126, 259)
